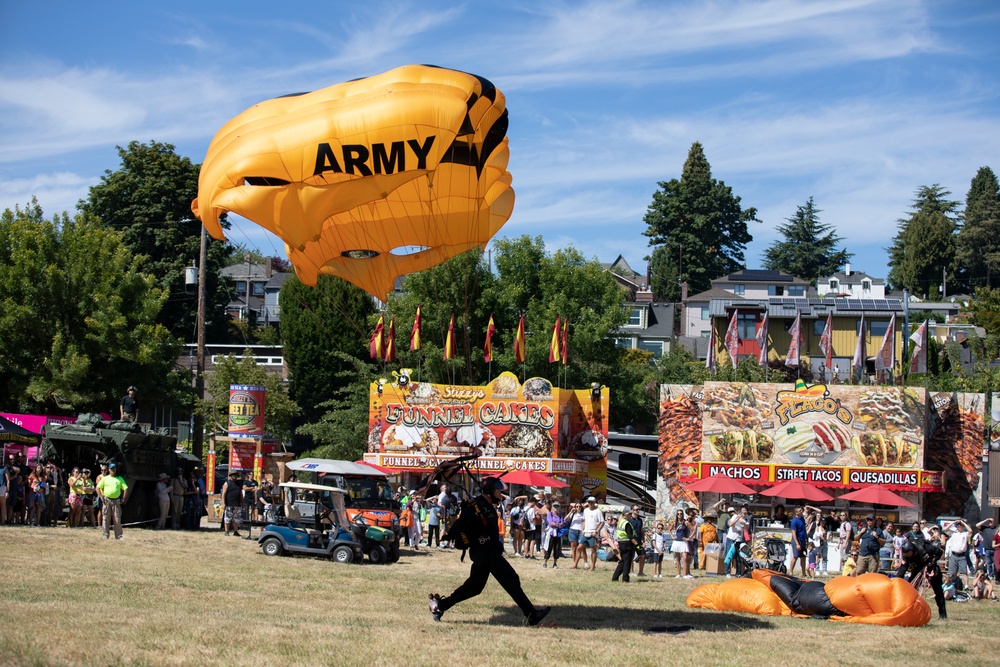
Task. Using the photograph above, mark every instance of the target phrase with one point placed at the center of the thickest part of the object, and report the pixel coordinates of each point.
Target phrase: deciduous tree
(79, 318)
(148, 200)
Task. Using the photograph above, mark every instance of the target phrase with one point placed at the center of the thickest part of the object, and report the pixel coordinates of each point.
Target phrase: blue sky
(856, 103)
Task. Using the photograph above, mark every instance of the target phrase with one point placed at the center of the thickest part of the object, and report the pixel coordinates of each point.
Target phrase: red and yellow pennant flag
(376, 346)
(488, 347)
(449, 341)
(565, 341)
(519, 355)
(554, 354)
(415, 333)
(390, 342)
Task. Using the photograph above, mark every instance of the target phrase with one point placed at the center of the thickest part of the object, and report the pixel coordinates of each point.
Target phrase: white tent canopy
(334, 467)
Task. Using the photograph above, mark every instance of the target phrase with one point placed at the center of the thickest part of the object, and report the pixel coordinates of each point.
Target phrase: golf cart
(371, 510)
(328, 535)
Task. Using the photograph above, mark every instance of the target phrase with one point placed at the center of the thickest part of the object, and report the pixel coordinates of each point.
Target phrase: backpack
(527, 525)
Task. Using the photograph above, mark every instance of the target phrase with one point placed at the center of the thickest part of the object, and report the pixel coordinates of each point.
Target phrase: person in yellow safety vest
(627, 543)
(112, 489)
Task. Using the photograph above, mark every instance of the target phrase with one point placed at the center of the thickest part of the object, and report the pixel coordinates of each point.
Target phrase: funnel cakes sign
(511, 425)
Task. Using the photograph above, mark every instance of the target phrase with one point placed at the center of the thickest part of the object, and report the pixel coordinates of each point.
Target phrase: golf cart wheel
(378, 555)
(272, 547)
(343, 555)
(393, 553)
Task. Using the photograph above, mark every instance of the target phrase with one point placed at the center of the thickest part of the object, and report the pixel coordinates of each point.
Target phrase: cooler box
(714, 559)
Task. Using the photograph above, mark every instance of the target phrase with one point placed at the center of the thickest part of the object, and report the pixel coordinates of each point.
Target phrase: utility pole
(199, 373)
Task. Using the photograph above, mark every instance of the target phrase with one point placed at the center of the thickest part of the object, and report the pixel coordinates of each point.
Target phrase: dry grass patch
(172, 598)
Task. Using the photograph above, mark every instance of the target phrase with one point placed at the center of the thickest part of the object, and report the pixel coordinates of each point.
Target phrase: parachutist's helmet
(491, 484)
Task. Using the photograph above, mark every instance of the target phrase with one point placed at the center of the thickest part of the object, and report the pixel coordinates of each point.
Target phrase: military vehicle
(141, 456)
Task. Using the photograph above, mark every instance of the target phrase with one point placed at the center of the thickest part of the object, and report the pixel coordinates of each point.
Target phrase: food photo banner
(512, 425)
(833, 436)
(813, 425)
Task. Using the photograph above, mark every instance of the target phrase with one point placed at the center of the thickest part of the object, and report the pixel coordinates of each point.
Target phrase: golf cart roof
(311, 487)
(335, 467)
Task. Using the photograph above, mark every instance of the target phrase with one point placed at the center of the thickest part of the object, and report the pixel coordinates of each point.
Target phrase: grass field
(174, 598)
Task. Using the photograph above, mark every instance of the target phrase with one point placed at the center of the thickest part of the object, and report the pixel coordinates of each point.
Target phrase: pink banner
(34, 423)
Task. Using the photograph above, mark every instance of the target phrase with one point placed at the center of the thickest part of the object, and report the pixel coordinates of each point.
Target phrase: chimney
(643, 296)
(847, 268)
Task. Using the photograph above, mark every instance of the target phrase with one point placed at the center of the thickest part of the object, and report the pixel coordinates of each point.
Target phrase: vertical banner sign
(246, 411)
(210, 472)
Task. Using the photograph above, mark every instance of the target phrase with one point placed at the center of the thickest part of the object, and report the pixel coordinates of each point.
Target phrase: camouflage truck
(141, 456)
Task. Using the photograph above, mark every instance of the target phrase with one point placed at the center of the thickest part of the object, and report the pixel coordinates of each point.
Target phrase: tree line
(96, 301)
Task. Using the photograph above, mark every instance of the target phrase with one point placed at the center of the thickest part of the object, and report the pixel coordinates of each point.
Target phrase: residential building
(248, 288)
(749, 294)
(633, 281)
(851, 284)
(650, 326)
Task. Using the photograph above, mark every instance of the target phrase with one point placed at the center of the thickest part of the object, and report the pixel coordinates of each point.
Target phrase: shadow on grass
(582, 617)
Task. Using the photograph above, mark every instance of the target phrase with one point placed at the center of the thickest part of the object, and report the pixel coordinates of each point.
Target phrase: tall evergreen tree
(809, 249)
(978, 245)
(697, 227)
(923, 250)
(148, 200)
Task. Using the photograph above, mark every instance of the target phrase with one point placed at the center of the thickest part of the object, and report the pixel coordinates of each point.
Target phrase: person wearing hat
(130, 406)
(232, 504)
(477, 529)
(870, 544)
(112, 490)
(163, 498)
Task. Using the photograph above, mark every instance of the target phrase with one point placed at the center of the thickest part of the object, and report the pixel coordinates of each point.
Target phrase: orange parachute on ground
(873, 599)
(370, 179)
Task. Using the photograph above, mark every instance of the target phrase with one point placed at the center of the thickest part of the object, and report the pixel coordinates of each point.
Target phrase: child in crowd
(982, 586)
(659, 540)
(954, 589)
(851, 563)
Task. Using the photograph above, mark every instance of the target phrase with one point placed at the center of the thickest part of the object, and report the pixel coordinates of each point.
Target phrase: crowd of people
(45, 494)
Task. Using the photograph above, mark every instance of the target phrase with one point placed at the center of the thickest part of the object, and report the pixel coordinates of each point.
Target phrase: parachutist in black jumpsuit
(478, 525)
(920, 555)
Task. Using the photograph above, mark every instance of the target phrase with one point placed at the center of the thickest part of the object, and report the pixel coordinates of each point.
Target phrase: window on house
(834, 284)
(635, 317)
(241, 288)
(654, 346)
(878, 328)
(704, 313)
(746, 325)
(775, 290)
(818, 327)
(625, 343)
(866, 285)
(258, 289)
(796, 290)
(739, 288)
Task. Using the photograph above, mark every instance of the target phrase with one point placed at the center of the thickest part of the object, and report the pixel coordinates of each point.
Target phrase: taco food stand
(837, 437)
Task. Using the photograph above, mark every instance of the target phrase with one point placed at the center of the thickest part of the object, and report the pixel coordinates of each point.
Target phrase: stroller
(766, 552)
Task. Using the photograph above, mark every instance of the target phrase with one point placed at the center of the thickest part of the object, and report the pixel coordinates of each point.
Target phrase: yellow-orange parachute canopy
(370, 179)
(871, 598)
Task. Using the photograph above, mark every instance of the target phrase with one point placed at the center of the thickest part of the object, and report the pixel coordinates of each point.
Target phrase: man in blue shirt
(871, 542)
(800, 546)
